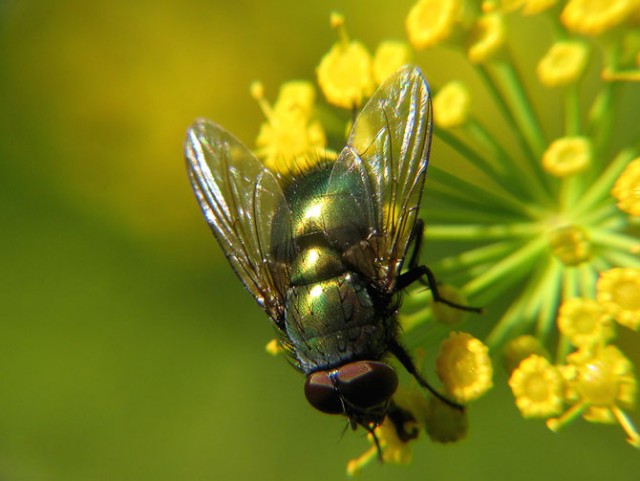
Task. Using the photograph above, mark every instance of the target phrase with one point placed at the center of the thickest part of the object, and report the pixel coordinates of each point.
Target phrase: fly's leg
(423, 274)
(405, 359)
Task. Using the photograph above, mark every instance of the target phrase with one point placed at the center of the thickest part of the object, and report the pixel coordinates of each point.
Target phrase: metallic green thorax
(333, 315)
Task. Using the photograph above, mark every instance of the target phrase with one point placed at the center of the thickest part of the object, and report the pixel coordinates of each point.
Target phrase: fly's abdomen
(333, 321)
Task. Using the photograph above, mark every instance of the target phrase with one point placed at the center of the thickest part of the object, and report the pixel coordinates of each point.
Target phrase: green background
(128, 349)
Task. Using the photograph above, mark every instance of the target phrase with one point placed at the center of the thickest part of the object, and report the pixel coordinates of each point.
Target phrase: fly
(324, 252)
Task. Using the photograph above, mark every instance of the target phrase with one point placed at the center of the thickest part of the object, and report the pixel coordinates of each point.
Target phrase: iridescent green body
(333, 314)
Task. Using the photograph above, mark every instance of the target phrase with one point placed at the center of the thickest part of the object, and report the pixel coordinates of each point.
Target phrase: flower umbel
(601, 384)
(542, 227)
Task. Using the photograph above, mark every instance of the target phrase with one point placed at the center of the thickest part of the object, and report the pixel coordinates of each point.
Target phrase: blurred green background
(128, 349)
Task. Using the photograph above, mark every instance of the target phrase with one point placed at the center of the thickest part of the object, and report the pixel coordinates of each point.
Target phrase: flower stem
(513, 265)
(522, 106)
(571, 110)
(602, 185)
(482, 232)
(614, 239)
(619, 258)
(512, 177)
(587, 278)
(478, 193)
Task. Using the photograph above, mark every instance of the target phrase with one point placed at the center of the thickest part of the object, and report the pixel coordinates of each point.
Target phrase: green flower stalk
(555, 233)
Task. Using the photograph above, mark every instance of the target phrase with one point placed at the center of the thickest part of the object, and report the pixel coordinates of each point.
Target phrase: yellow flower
(584, 322)
(600, 382)
(563, 64)
(618, 291)
(289, 136)
(538, 387)
(464, 367)
(570, 245)
(273, 347)
(345, 72)
(389, 57)
(431, 21)
(520, 348)
(627, 188)
(451, 105)
(592, 17)
(567, 156)
(486, 37)
(394, 450)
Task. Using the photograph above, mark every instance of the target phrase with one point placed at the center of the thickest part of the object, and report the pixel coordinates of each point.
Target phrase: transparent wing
(239, 199)
(392, 136)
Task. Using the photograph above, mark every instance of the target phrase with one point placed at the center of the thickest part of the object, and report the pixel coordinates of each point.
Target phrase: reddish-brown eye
(322, 394)
(366, 384)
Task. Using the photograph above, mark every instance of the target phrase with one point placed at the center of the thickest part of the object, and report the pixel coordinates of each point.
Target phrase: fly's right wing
(239, 198)
(391, 137)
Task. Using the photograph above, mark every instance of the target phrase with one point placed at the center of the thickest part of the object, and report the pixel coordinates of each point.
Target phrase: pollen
(538, 387)
(345, 73)
(570, 245)
(389, 57)
(627, 189)
(618, 291)
(486, 38)
(563, 64)
(584, 322)
(430, 22)
(593, 17)
(451, 105)
(601, 383)
(520, 348)
(567, 156)
(464, 367)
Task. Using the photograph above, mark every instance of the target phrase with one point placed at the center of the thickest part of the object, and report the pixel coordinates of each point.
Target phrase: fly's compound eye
(322, 394)
(367, 384)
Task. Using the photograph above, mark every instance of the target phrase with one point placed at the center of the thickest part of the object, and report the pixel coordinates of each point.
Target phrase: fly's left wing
(239, 198)
(392, 138)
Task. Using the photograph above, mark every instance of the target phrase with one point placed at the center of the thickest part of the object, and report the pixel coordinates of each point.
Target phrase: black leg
(399, 352)
(419, 273)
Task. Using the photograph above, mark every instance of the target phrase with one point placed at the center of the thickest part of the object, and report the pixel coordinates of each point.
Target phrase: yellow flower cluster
(548, 222)
(290, 135)
(597, 380)
(432, 22)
